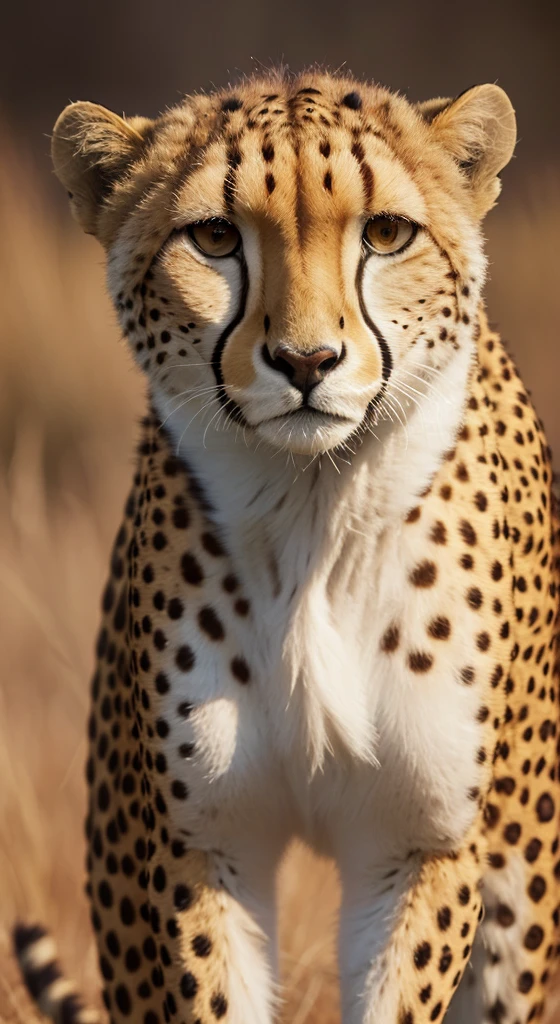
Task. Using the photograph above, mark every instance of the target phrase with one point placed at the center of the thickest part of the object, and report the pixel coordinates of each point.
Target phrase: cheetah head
(296, 257)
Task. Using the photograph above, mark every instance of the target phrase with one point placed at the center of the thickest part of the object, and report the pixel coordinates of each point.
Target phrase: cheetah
(332, 611)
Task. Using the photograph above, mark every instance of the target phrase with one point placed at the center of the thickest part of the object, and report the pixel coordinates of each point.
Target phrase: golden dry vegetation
(69, 399)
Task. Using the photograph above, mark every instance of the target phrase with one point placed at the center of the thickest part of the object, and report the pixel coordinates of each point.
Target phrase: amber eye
(388, 234)
(215, 237)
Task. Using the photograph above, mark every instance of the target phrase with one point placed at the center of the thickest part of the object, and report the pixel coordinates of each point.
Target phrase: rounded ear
(91, 148)
(479, 130)
(431, 108)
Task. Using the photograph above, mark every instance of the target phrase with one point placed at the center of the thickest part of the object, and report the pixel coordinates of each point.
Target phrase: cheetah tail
(55, 996)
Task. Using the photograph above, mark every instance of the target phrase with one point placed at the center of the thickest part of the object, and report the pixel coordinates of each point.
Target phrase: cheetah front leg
(230, 927)
(194, 941)
(406, 934)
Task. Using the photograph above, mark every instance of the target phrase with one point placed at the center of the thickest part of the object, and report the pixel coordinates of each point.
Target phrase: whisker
(191, 421)
(180, 406)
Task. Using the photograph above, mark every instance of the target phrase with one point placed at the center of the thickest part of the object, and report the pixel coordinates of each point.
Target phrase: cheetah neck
(308, 539)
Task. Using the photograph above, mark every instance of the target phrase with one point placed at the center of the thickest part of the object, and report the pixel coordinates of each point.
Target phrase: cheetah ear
(431, 108)
(479, 130)
(91, 149)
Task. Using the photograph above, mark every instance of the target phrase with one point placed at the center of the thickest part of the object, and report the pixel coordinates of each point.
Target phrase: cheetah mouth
(307, 412)
(306, 431)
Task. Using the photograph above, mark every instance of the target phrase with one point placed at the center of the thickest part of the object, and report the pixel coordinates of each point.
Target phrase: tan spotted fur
(341, 627)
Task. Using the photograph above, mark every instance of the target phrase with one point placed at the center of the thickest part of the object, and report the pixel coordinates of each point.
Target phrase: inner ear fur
(479, 130)
(91, 149)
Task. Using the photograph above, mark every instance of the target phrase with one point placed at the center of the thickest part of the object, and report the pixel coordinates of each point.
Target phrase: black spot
(420, 661)
(210, 623)
(240, 670)
(159, 878)
(467, 532)
(537, 888)
(189, 985)
(444, 918)
(353, 100)
(105, 894)
(232, 104)
(175, 608)
(127, 911)
(532, 850)
(184, 659)
(440, 628)
(201, 945)
(191, 570)
(424, 574)
(132, 959)
(512, 833)
(180, 518)
(545, 807)
(218, 1005)
(113, 944)
(526, 981)
(534, 937)
(122, 999)
(422, 955)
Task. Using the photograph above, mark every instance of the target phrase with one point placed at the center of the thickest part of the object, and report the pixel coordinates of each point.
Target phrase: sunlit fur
(371, 663)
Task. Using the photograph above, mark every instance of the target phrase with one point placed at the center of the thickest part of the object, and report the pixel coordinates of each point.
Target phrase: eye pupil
(386, 235)
(215, 237)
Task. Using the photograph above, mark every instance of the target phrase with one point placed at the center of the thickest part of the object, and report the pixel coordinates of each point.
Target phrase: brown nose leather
(303, 369)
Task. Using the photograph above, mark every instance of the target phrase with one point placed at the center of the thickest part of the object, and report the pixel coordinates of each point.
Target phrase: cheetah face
(303, 363)
(300, 259)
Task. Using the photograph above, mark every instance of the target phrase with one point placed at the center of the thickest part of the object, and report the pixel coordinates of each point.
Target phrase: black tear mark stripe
(231, 407)
(365, 170)
(386, 357)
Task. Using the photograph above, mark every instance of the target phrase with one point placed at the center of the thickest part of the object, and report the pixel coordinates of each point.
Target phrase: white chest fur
(340, 732)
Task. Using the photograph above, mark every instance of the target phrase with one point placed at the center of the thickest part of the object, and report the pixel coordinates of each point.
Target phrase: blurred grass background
(70, 397)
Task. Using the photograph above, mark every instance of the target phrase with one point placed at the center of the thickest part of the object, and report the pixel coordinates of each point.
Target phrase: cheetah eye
(387, 235)
(216, 237)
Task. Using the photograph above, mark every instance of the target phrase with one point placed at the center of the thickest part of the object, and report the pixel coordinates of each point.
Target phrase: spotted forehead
(302, 108)
(266, 140)
(305, 109)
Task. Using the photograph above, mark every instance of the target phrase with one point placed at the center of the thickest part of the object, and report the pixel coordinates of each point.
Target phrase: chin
(306, 432)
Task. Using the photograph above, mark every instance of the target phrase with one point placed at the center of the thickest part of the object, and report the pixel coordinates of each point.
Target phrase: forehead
(333, 147)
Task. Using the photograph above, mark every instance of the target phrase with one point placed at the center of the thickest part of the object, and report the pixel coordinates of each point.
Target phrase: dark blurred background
(70, 398)
(138, 56)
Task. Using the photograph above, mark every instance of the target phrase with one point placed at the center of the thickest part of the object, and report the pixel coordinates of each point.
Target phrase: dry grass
(68, 401)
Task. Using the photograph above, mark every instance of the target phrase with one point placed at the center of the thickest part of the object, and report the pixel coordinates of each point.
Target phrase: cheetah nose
(304, 370)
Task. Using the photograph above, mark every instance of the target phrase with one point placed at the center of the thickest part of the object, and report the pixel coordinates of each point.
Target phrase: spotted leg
(191, 941)
(513, 954)
(232, 922)
(406, 935)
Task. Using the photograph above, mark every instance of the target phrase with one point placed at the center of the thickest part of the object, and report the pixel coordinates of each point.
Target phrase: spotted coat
(357, 647)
